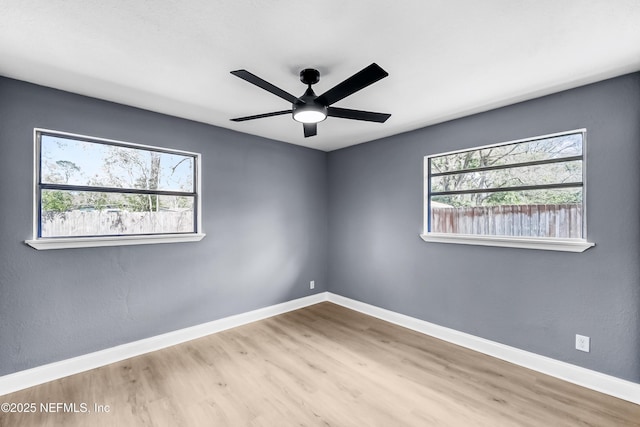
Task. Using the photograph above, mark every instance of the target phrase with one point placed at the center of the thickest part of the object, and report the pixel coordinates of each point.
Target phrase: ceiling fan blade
(260, 116)
(359, 80)
(252, 78)
(310, 129)
(369, 116)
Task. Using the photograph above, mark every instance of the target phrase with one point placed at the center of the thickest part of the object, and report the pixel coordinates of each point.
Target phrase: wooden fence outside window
(557, 221)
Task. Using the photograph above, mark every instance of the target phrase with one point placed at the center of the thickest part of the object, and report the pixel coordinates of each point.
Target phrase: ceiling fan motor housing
(309, 76)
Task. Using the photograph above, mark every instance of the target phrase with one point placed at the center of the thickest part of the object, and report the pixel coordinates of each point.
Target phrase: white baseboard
(53, 371)
(597, 381)
(581, 376)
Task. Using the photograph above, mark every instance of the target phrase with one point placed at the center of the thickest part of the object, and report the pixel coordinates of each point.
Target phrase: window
(97, 192)
(527, 193)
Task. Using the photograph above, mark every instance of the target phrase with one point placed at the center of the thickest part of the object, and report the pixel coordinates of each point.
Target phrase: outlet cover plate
(583, 343)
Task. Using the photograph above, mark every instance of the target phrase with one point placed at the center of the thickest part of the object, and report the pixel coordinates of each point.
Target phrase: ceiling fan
(309, 109)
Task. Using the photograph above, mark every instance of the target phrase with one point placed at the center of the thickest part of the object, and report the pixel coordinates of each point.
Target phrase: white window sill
(566, 245)
(91, 242)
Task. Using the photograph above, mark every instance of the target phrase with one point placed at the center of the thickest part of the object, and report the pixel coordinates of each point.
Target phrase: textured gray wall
(267, 221)
(530, 299)
(264, 212)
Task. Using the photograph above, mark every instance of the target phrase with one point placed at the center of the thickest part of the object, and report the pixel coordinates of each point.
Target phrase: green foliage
(510, 198)
(56, 201)
(141, 202)
(93, 200)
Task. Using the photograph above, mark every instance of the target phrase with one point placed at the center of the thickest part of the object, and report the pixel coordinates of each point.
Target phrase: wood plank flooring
(323, 365)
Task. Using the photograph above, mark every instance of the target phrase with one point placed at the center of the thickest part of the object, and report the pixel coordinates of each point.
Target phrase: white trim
(566, 245)
(92, 242)
(593, 380)
(36, 169)
(53, 371)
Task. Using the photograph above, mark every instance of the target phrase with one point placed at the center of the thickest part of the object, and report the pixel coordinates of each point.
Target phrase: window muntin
(530, 188)
(89, 187)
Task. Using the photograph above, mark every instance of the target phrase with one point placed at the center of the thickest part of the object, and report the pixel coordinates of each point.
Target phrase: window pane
(80, 213)
(74, 162)
(538, 149)
(551, 173)
(490, 202)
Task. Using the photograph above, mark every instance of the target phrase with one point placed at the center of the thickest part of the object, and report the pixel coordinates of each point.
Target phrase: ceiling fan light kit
(310, 109)
(309, 114)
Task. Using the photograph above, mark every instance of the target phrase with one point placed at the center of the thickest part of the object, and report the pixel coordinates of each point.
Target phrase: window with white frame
(525, 193)
(95, 192)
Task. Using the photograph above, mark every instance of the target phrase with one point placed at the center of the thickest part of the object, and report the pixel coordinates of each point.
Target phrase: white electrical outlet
(582, 343)
(312, 284)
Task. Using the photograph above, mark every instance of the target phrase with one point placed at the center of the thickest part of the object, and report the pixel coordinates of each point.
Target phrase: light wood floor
(323, 365)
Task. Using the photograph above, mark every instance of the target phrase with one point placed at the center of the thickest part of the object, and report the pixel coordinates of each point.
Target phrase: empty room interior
(287, 213)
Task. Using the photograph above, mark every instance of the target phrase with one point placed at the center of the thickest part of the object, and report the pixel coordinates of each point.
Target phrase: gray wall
(530, 299)
(264, 212)
(277, 216)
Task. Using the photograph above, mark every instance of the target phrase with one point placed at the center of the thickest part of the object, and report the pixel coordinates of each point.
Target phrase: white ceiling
(445, 58)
